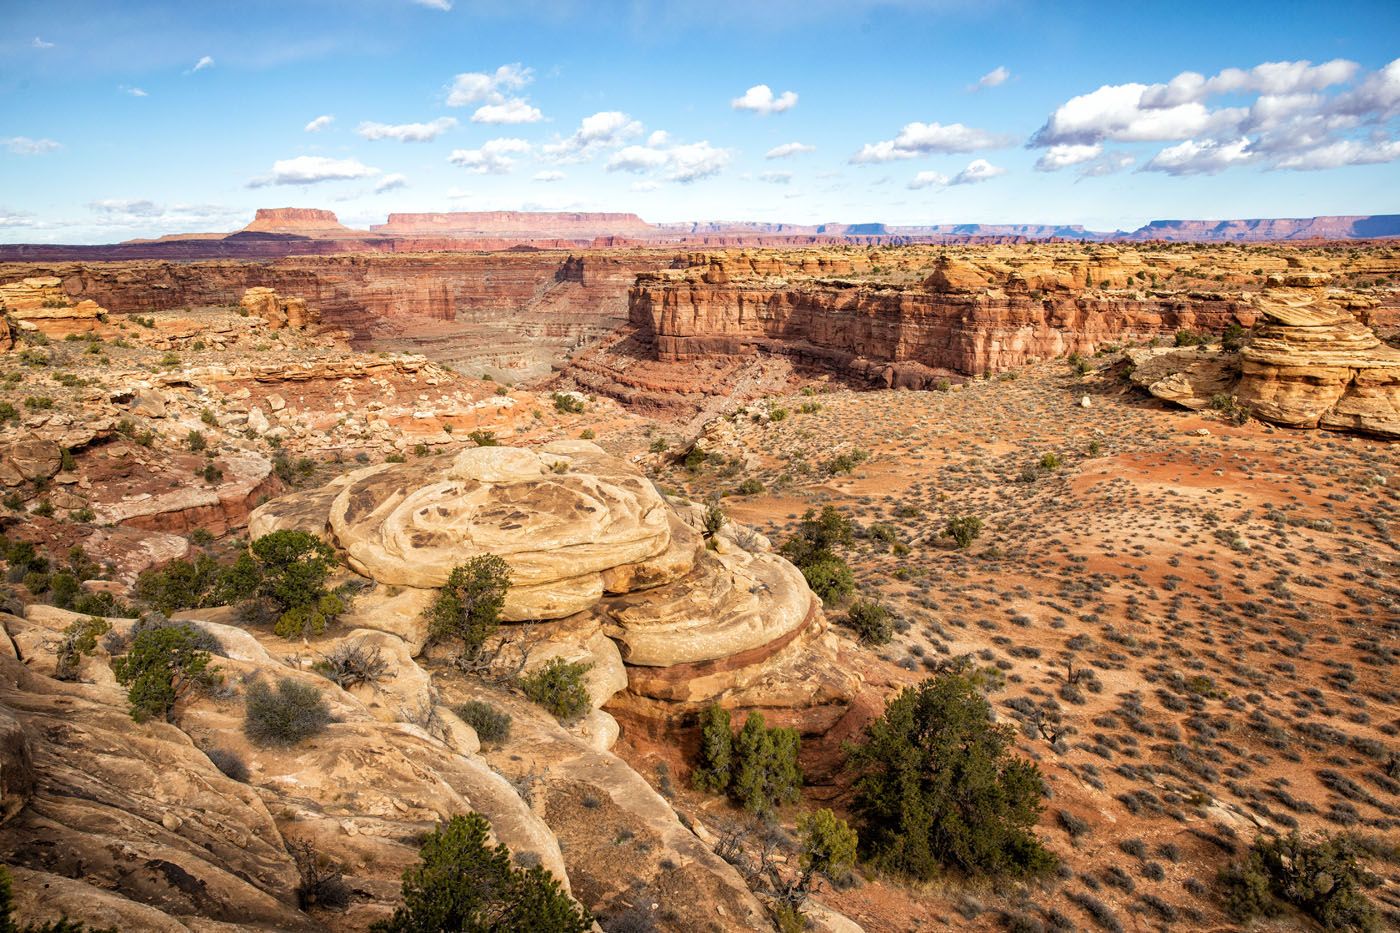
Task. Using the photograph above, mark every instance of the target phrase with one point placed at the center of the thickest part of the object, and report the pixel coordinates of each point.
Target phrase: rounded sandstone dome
(559, 517)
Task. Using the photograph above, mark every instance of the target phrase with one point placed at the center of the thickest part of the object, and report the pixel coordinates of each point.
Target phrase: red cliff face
(303, 221)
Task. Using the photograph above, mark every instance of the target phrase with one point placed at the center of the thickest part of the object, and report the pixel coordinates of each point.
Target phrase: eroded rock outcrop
(1308, 364)
(39, 304)
(279, 310)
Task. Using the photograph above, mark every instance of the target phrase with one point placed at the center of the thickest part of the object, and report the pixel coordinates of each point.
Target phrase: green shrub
(1189, 338)
(812, 550)
(1321, 877)
(846, 462)
(492, 725)
(292, 571)
(483, 438)
(765, 772)
(716, 750)
(1232, 339)
(777, 414)
(749, 487)
(871, 621)
(714, 520)
(964, 529)
(285, 716)
(567, 404)
(79, 639)
(468, 607)
(828, 847)
(463, 883)
(8, 413)
(162, 666)
(937, 786)
(196, 441)
(559, 687)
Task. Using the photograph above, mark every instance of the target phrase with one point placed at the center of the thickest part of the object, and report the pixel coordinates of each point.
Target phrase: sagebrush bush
(286, 715)
(559, 687)
(491, 724)
(871, 620)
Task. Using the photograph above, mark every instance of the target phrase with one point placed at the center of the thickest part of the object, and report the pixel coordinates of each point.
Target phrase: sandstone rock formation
(38, 304)
(279, 311)
(1308, 364)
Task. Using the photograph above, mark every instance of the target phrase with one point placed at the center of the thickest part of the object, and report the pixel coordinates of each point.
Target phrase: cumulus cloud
(204, 62)
(919, 139)
(493, 91)
(391, 183)
(606, 129)
(658, 138)
(144, 214)
(787, 150)
(978, 170)
(38, 43)
(1109, 163)
(1206, 157)
(928, 180)
(759, 99)
(682, 163)
(476, 86)
(1301, 117)
(405, 132)
(994, 78)
(513, 110)
(320, 123)
(24, 145)
(311, 170)
(549, 175)
(493, 158)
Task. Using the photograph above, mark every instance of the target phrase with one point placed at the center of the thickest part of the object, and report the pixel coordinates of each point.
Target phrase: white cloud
(994, 78)
(918, 139)
(606, 129)
(787, 150)
(1109, 163)
(204, 62)
(310, 170)
(1063, 156)
(760, 99)
(10, 218)
(682, 163)
(126, 207)
(475, 86)
(320, 123)
(1207, 157)
(776, 178)
(1298, 119)
(23, 145)
(133, 91)
(978, 170)
(549, 175)
(391, 183)
(406, 132)
(1339, 153)
(40, 43)
(444, 5)
(147, 215)
(928, 180)
(493, 158)
(644, 186)
(511, 110)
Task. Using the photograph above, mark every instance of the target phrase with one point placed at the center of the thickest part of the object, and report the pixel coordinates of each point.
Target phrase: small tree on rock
(468, 608)
(716, 750)
(963, 529)
(161, 667)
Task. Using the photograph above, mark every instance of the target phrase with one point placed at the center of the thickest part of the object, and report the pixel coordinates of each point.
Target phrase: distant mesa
(303, 221)
(515, 224)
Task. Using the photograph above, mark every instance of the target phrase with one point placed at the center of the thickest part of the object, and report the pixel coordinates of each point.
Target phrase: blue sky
(132, 118)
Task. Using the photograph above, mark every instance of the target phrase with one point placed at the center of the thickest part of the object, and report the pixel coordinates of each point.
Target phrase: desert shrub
(749, 487)
(559, 687)
(491, 724)
(468, 607)
(812, 550)
(937, 786)
(321, 883)
(1321, 877)
(162, 666)
(714, 520)
(311, 619)
(286, 715)
(293, 569)
(871, 621)
(846, 462)
(963, 529)
(828, 847)
(351, 663)
(1189, 338)
(197, 441)
(567, 404)
(765, 770)
(181, 584)
(461, 882)
(229, 762)
(483, 438)
(79, 639)
(716, 750)
(1232, 338)
(1050, 462)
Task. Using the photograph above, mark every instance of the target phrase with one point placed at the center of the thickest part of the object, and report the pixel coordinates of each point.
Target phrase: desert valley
(630, 466)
